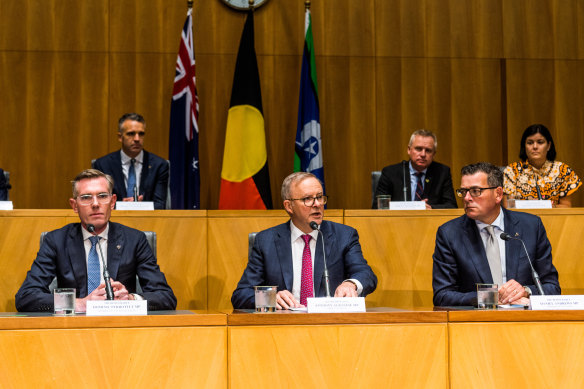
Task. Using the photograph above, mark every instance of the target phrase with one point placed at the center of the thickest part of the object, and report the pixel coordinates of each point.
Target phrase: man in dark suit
(4, 186)
(422, 178)
(286, 255)
(469, 249)
(135, 170)
(70, 255)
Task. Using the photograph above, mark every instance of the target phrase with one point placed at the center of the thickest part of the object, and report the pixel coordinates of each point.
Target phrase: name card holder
(116, 307)
(407, 205)
(532, 204)
(6, 206)
(135, 205)
(335, 304)
(557, 302)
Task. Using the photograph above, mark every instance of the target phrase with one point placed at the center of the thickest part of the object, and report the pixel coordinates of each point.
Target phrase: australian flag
(308, 147)
(183, 144)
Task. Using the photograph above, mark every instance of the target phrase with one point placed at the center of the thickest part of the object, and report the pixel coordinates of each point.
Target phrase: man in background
(420, 178)
(137, 173)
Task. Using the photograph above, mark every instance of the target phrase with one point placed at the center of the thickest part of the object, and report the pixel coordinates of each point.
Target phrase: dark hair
(537, 129)
(90, 174)
(494, 173)
(136, 117)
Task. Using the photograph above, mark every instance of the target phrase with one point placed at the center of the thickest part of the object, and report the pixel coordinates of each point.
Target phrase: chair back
(251, 239)
(375, 175)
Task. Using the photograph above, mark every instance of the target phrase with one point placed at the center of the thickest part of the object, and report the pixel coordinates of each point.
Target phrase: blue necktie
(419, 186)
(131, 180)
(93, 275)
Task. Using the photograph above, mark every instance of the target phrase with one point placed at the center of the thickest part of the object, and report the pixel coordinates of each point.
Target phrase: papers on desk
(135, 205)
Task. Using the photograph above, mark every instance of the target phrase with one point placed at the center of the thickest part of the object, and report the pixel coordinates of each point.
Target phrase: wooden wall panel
(385, 67)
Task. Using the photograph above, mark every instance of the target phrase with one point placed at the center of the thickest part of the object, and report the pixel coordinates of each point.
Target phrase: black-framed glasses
(474, 192)
(87, 199)
(309, 201)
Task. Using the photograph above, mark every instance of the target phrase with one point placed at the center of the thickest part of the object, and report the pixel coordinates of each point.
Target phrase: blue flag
(183, 143)
(308, 147)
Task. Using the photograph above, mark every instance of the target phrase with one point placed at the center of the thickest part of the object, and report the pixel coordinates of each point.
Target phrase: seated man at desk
(70, 255)
(290, 255)
(137, 172)
(470, 250)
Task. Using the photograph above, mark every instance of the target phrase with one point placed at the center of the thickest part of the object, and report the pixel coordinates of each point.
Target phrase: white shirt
(499, 225)
(102, 243)
(138, 162)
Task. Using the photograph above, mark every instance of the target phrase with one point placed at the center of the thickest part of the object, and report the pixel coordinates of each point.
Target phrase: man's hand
(346, 289)
(140, 198)
(511, 291)
(286, 300)
(428, 206)
(120, 293)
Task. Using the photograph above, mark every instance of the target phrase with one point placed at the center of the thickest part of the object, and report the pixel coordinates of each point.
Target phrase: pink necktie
(306, 278)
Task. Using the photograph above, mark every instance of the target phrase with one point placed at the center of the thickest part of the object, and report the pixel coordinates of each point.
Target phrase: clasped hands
(120, 293)
(513, 292)
(286, 300)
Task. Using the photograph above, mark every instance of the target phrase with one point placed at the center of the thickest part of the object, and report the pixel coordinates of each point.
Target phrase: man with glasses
(70, 254)
(469, 249)
(290, 255)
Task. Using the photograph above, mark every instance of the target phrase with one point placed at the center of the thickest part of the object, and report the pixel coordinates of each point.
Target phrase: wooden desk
(179, 349)
(511, 349)
(381, 348)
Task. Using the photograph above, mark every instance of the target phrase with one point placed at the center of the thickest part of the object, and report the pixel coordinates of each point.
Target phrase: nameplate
(557, 302)
(407, 205)
(6, 206)
(533, 204)
(335, 304)
(116, 307)
(135, 205)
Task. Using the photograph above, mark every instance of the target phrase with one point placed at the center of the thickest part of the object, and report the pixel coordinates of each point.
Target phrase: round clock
(243, 5)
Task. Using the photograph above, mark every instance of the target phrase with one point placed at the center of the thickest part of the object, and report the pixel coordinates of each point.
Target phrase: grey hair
(424, 133)
(292, 179)
(89, 174)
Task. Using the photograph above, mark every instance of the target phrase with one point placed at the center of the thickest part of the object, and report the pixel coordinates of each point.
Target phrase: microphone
(405, 188)
(315, 226)
(506, 237)
(135, 193)
(523, 166)
(108, 288)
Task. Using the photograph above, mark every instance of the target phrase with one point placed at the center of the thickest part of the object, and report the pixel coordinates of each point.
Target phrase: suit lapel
(115, 246)
(512, 248)
(77, 258)
(145, 171)
(118, 174)
(477, 253)
(408, 183)
(283, 249)
(428, 181)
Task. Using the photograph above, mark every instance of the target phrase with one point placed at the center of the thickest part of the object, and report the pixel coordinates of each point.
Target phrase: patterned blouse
(555, 179)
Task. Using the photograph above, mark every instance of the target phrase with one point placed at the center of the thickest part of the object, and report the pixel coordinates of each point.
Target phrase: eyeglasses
(87, 199)
(309, 201)
(474, 192)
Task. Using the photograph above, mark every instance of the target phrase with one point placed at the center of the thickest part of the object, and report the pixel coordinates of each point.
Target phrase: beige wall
(475, 71)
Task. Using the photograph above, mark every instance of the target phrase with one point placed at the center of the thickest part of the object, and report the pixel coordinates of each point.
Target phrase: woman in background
(539, 176)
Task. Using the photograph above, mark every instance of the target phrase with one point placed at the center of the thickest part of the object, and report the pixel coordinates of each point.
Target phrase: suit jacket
(270, 262)
(460, 259)
(62, 255)
(153, 179)
(3, 187)
(437, 187)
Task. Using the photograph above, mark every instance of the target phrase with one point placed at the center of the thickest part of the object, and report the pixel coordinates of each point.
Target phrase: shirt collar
(414, 171)
(297, 233)
(87, 234)
(499, 222)
(126, 159)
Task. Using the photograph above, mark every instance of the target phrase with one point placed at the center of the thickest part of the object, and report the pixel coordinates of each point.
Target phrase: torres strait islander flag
(245, 181)
(308, 146)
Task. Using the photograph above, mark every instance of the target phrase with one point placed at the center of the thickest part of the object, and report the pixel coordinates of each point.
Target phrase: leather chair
(375, 176)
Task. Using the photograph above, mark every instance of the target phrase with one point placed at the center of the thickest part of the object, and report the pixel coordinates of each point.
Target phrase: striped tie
(419, 187)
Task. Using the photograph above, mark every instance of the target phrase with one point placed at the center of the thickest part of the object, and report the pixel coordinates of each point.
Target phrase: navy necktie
(419, 187)
(93, 274)
(131, 180)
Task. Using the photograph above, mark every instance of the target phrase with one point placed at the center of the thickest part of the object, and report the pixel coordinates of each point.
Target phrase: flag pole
(251, 5)
(307, 4)
(190, 4)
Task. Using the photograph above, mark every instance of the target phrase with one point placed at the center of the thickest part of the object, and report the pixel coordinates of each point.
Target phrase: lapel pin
(119, 246)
